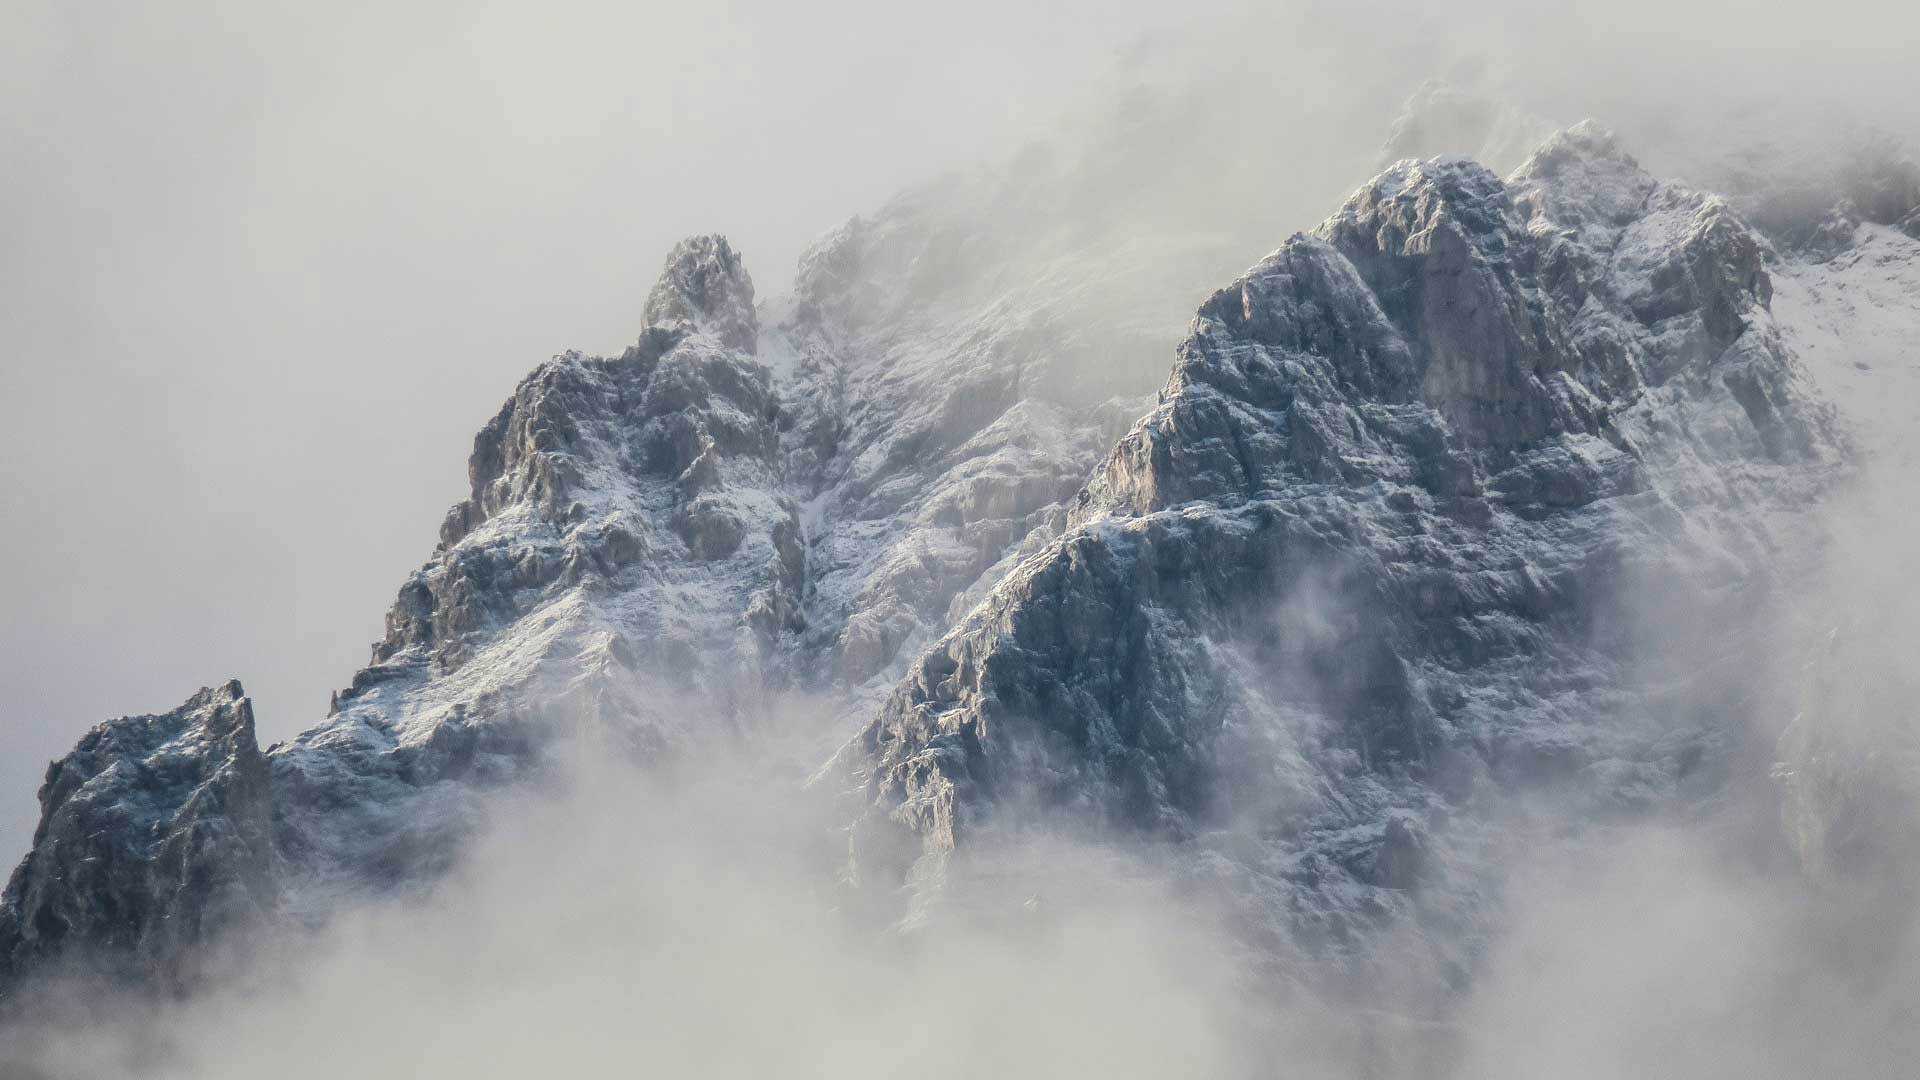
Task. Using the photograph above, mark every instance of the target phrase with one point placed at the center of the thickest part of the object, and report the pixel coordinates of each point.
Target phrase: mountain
(155, 832)
(1430, 491)
(1805, 174)
(1415, 528)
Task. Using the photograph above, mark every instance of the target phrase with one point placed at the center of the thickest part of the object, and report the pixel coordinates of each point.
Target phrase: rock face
(705, 286)
(625, 571)
(1846, 766)
(155, 833)
(930, 441)
(1373, 560)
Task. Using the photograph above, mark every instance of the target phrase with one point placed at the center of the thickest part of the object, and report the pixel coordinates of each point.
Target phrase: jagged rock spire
(705, 283)
(1561, 368)
(154, 833)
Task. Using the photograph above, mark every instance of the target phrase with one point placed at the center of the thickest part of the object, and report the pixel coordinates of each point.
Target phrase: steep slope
(1429, 495)
(624, 571)
(154, 833)
(956, 363)
(1848, 762)
(934, 436)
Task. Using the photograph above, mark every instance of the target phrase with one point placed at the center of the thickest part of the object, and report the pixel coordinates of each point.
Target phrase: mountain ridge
(811, 498)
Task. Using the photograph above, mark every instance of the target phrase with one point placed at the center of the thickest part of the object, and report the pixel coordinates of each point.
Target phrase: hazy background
(265, 267)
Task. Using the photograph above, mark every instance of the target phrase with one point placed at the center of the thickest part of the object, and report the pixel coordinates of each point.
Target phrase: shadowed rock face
(1378, 555)
(154, 834)
(626, 569)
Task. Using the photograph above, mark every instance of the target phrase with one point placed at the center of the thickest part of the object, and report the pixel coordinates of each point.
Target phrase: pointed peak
(1411, 196)
(1583, 177)
(1447, 175)
(1587, 142)
(705, 283)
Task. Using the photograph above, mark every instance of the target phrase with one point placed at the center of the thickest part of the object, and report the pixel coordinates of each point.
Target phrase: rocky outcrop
(1800, 171)
(626, 570)
(706, 286)
(1374, 558)
(155, 834)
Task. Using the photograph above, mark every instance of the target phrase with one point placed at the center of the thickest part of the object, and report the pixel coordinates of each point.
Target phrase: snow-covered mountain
(1379, 560)
(1369, 570)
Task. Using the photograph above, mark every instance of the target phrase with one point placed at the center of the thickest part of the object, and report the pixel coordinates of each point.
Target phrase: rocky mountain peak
(154, 832)
(705, 283)
(1399, 463)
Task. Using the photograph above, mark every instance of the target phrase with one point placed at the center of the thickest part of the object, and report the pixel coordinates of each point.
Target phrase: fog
(267, 267)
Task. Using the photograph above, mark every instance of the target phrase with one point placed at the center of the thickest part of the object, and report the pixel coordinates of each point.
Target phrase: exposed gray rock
(705, 285)
(626, 570)
(155, 834)
(1370, 562)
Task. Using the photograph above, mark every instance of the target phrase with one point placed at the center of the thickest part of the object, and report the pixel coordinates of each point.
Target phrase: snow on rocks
(1371, 565)
(155, 832)
(1346, 576)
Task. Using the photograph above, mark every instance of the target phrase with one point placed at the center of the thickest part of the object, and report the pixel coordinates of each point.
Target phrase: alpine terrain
(1484, 494)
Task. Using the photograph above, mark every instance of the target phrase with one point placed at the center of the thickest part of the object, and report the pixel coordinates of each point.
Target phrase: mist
(268, 268)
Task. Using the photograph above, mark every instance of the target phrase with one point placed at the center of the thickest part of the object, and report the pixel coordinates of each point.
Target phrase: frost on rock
(1370, 564)
(154, 835)
(625, 571)
(657, 546)
(705, 285)
(936, 428)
